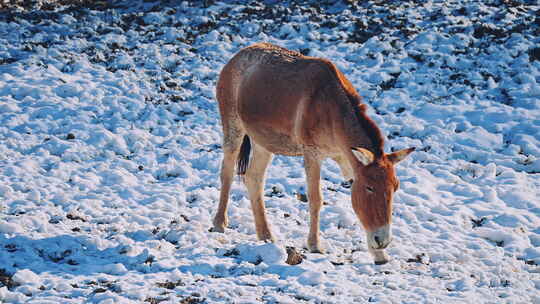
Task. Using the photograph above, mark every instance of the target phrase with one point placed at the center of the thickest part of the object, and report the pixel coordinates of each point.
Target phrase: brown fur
(290, 104)
(368, 125)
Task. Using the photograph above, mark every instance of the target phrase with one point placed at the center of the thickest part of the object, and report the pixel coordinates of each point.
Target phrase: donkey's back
(267, 92)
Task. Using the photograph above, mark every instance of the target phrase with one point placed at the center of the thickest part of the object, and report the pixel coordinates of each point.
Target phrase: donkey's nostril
(380, 238)
(378, 241)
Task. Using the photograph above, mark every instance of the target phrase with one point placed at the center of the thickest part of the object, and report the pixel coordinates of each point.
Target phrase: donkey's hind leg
(231, 148)
(254, 180)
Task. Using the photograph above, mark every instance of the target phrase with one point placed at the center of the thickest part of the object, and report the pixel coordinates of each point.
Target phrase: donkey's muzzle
(380, 243)
(380, 238)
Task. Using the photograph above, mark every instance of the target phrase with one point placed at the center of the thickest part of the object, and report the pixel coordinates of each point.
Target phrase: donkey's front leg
(312, 164)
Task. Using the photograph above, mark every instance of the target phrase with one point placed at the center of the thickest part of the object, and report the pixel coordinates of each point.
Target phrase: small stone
(301, 197)
(293, 256)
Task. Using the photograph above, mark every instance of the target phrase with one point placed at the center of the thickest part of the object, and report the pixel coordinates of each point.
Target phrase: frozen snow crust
(110, 154)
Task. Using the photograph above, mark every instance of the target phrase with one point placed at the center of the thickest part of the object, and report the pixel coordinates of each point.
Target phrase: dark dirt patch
(6, 280)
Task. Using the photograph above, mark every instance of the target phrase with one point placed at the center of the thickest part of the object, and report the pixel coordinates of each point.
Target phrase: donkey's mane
(368, 125)
(275, 54)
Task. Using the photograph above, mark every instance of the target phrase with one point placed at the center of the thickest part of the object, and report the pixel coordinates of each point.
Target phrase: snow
(110, 151)
(25, 276)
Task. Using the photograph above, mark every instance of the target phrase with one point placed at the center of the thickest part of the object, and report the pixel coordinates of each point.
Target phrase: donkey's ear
(396, 157)
(364, 156)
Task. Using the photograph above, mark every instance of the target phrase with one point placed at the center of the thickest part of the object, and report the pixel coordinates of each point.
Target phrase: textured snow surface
(110, 150)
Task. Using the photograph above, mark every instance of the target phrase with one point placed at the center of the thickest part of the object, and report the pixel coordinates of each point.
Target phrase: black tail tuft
(243, 157)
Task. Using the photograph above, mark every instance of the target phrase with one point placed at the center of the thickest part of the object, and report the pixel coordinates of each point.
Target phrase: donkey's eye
(369, 189)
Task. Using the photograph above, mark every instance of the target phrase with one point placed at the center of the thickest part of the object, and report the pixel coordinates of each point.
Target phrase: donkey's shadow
(70, 255)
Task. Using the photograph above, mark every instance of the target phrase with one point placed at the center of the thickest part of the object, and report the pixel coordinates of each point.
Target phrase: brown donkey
(276, 101)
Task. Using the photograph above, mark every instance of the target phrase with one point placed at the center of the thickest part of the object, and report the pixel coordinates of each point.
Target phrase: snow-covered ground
(110, 154)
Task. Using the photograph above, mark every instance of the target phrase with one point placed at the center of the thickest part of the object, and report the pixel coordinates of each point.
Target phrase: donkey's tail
(243, 157)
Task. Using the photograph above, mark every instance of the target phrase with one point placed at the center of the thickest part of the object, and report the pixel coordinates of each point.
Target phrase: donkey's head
(372, 191)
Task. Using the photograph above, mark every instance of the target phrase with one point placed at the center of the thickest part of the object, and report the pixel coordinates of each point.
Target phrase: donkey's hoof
(219, 224)
(220, 229)
(267, 238)
(316, 248)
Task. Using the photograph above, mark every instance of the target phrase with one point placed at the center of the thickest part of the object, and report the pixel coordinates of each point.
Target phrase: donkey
(276, 101)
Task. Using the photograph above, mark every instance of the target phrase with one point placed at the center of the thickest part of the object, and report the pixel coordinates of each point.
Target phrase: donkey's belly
(275, 142)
